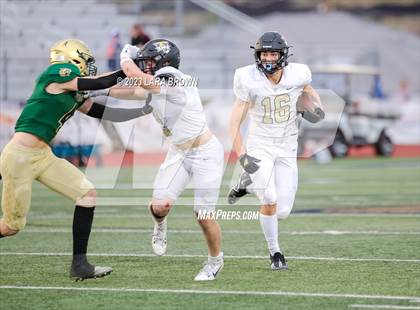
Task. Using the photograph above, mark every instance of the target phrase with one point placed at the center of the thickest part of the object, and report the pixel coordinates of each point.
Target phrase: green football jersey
(44, 114)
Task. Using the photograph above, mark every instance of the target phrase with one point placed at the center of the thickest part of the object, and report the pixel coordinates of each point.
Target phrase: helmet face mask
(269, 65)
(271, 42)
(76, 52)
(146, 64)
(90, 60)
(157, 54)
(92, 69)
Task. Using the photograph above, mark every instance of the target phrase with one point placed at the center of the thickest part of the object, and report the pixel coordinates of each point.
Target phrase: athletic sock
(269, 226)
(215, 259)
(162, 223)
(82, 224)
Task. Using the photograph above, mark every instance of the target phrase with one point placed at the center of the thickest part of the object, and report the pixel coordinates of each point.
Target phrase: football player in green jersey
(28, 156)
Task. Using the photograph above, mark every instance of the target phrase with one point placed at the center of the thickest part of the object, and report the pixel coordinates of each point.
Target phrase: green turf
(125, 229)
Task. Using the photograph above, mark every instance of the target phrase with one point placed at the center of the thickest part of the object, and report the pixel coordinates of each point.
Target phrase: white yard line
(107, 213)
(240, 232)
(383, 307)
(395, 260)
(209, 292)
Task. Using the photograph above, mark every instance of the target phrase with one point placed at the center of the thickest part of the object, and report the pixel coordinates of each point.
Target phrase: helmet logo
(162, 46)
(64, 72)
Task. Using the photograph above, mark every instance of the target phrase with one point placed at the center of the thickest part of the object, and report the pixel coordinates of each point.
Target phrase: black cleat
(81, 269)
(239, 190)
(278, 262)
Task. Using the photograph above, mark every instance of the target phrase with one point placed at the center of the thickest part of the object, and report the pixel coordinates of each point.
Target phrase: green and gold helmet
(76, 52)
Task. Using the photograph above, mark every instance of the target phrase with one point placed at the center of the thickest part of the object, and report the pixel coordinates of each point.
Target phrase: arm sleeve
(114, 114)
(101, 82)
(239, 89)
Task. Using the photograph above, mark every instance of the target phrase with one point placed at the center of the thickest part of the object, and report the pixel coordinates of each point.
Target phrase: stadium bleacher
(29, 28)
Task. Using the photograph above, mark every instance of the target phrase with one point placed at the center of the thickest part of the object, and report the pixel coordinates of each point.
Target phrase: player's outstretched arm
(124, 93)
(87, 83)
(97, 110)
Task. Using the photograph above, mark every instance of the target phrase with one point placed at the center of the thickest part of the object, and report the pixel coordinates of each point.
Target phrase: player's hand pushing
(129, 52)
(249, 163)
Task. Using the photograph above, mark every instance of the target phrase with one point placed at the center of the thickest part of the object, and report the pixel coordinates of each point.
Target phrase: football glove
(314, 117)
(129, 52)
(81, 96)
(249, 163)
(147, 109)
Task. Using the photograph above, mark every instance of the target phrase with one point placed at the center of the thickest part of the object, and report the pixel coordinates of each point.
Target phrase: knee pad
(284, 208)
(285, 201)
(281, 215)
(266, 196)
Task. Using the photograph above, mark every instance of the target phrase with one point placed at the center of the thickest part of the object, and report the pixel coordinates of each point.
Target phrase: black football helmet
(162, 51)
(275, 42)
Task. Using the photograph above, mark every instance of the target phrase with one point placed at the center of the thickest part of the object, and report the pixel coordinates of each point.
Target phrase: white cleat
(95, 272)
(159, 238)
(210, 271)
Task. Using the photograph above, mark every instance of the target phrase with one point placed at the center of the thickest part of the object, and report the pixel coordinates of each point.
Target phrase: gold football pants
(20, 165)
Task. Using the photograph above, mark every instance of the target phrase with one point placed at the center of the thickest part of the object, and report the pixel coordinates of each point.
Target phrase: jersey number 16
(281, 109)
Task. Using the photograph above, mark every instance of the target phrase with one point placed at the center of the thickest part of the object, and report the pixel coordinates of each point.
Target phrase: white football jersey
(178, 109)
(273, 110)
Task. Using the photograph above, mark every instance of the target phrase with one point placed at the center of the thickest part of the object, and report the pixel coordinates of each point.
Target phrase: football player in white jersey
(195, 153)
(269, 90)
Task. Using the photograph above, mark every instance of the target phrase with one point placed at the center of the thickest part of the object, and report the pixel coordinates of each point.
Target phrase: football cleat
(82, 270)
(239, 190)
(278, 262)
(210, 270)
(159, 238)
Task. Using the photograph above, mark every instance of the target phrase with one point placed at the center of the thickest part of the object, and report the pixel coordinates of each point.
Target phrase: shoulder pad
(169, 70)
(298, 75)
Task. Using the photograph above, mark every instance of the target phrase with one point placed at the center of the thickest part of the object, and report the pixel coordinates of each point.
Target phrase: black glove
(147, 109)
(314, 117)
(249, 163)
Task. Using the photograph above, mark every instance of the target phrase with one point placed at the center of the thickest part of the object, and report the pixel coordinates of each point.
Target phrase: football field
(353, 242)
